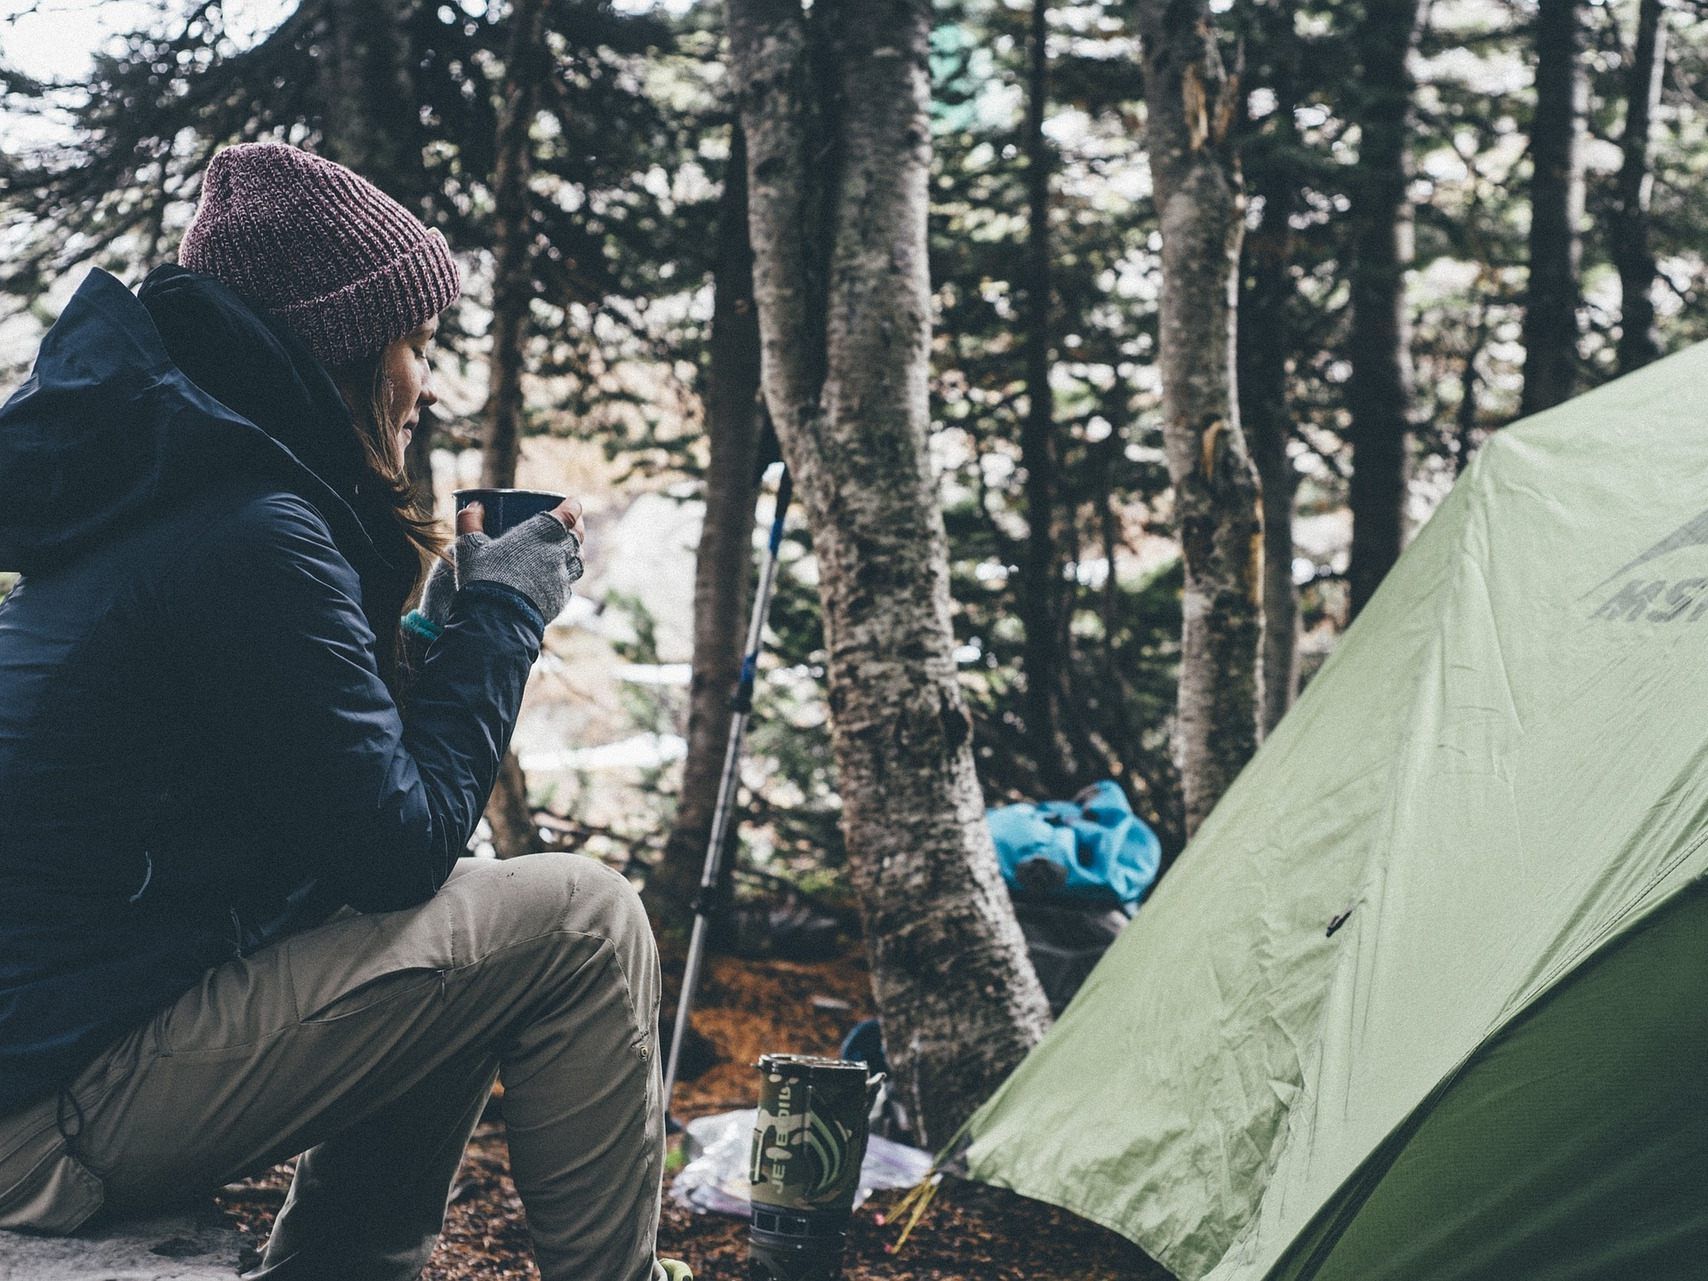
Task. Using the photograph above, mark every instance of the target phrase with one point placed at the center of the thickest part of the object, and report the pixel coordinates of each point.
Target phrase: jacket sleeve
(380, 809)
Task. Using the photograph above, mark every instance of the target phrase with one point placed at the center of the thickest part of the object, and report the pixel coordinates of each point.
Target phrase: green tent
(1427, 997)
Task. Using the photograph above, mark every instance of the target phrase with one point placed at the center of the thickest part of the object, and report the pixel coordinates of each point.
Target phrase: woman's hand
(447, 574)
(569, 512)
(541, 557)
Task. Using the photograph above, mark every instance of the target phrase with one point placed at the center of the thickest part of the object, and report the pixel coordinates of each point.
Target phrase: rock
(186, 1245)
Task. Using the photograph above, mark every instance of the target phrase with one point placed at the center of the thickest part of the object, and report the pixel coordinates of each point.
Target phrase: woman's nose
(428, 396)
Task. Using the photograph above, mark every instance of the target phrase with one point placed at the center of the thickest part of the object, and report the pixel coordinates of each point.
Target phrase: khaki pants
(370, 1044)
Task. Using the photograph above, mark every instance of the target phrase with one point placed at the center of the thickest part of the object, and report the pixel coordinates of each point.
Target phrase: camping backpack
(1092, 851)
(1076, 871)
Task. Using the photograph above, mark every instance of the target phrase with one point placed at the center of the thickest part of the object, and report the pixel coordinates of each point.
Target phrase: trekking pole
(741, 705)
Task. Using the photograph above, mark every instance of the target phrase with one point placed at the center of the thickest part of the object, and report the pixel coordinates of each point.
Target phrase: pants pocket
(370, 992)
(357, 962)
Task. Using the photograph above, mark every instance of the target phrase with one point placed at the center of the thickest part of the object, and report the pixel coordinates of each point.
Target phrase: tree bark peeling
(1200, 204)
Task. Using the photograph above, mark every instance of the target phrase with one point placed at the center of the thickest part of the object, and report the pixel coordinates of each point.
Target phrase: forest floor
(745, 1009)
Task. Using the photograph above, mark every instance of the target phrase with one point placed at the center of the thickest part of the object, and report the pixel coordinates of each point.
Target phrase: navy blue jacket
(198, 753)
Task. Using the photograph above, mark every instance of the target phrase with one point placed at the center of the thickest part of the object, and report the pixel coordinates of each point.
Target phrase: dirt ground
(747, 1008)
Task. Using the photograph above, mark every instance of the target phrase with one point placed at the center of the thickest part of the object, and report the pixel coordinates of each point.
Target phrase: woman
(233, 922)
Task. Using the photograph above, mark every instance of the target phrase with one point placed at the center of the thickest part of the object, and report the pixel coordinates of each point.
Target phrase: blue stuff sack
(1091, 850)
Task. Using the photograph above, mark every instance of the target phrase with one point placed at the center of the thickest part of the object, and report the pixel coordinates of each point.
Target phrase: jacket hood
(138, 399)
(252, 363)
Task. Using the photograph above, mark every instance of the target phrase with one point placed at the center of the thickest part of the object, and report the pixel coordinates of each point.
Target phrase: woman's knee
(613, 908)
(607, 896)
(553, 891)
(601, 903)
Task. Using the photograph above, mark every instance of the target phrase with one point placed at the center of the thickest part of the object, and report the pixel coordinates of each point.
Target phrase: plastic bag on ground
(716, 1180)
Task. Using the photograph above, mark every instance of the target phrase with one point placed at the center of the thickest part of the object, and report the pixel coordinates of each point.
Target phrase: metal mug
(507, 508)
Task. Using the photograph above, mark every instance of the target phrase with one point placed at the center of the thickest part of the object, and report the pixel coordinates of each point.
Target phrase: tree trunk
(1639, 343)
(507, 811)
(512, 268)
(369, 115)
(1379, 345)
(1042, 602)
(723, 563)
(1556, 209)
(1190, 106)
(844, 315)
(1465, 416)
(370, 122)
(1264, 350)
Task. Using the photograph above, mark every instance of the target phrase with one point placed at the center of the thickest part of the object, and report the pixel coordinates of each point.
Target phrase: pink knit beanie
(327, 252)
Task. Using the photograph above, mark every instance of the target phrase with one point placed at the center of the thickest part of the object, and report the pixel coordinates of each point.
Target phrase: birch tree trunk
(1189, 108)
(1639, 343)
(844, 312)
(508, 812)
(723, 563)
(1556, 209)
(1379, 345)
(1265, 347)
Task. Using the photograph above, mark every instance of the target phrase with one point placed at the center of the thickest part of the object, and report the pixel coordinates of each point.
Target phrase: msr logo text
(1656, 600)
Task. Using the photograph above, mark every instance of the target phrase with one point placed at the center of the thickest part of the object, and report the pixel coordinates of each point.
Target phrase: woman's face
(406, 373)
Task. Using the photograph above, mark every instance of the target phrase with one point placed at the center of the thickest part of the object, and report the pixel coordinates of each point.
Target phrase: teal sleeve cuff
(418, 624)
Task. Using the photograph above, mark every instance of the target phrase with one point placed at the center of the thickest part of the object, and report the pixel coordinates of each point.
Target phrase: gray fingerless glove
(441, 587)
(539, 558)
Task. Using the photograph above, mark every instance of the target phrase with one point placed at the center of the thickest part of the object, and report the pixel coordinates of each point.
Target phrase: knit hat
(327, 252)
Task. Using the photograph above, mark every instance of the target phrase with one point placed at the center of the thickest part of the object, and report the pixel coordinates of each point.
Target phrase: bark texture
(1264, 359)
(1379, 396)
(844, 312)
(1556, 209)
(1634, 255)
(1043, 601)
(723, 562)
(1190, 107)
